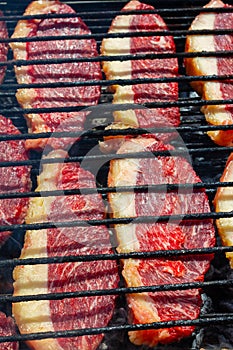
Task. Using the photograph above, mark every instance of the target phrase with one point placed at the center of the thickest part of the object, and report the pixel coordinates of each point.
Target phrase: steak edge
(3, 47)
(67, 313)
(54, 73)
(12, 178)
(141, 69)
(223, 203)
(149, 307)
(198, 66)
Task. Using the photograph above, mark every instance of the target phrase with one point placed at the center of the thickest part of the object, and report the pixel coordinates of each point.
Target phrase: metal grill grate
(208, 161)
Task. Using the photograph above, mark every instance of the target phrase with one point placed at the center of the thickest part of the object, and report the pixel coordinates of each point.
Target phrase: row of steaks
(83, 239)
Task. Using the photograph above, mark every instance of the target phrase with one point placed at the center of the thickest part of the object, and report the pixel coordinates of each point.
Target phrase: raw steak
(141, 69)
(215, 90)
(12, 179)
(3, 47)
(171, 305)
(7, 328)
(223, 203)
(54, 73)
(65, 314)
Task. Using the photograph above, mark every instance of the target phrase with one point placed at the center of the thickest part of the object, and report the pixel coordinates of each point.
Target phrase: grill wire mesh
(214, 327)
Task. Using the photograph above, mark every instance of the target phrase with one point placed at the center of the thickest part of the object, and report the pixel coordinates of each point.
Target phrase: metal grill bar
(117, 291)
(119, 58)
(108, 157)
(116, 132)
(60, 84)
(122, 107)
(100, 36)
(202, 321)
(117, 256)
(182, 188)
(119, 221)
(103, 14)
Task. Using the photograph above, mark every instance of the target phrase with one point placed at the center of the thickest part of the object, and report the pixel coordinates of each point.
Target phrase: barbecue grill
(215, 325)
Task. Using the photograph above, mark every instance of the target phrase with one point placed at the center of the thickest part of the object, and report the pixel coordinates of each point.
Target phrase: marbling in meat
(223, 202)
(54, 73)
(218, 65)
(12, 178)
(7, 328)
(138, 93)
(152, 307)
(3, 47)
(67, 313)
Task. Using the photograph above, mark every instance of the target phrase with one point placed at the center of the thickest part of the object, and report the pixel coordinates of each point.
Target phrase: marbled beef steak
(3, 47)
(218, 89)
(7, 328)
(141, 69)
(52, 73)
(68, 313)
(12, 178)
(151, 307)
(223, 203)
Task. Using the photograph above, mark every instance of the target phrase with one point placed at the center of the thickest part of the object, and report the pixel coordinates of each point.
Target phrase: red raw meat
(218, 89)
(55, 73)
(3, 47)
(140, 69)
(7, 328)
(12, 178)
(65, 314)
(171, 305)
